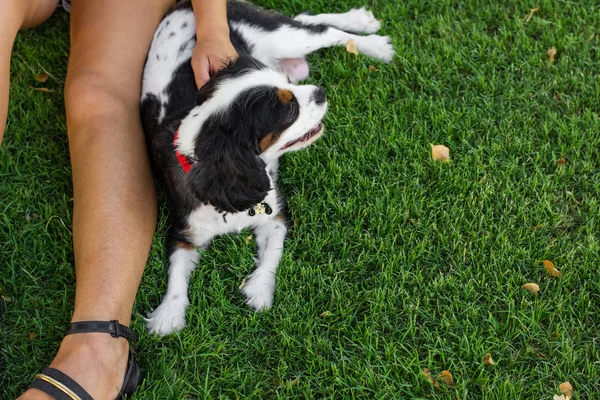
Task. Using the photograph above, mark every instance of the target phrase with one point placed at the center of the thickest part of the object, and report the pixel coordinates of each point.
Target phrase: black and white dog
(217, 149)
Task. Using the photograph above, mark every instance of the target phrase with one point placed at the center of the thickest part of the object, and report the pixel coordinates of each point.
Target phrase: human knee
(12, 15)
(34, 12)
(91, 94)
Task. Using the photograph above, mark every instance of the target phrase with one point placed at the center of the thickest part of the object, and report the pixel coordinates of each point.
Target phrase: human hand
(213, 52)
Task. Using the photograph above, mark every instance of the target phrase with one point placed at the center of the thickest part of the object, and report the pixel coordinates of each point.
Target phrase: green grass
(418, 264)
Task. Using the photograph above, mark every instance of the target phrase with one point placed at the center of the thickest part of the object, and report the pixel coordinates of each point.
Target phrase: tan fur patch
(185, 245)
(285, 95)
(267, 141)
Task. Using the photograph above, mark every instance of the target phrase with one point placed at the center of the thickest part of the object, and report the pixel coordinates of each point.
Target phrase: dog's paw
(361, 20)
(168, 318)
(376, 46)
(258, 290)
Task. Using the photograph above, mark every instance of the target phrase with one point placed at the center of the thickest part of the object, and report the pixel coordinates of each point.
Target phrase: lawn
(394, 263)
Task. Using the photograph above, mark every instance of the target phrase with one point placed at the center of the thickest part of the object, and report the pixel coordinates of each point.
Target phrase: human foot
(96, 361)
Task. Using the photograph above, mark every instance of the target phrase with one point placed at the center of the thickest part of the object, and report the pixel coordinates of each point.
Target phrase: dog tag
(260, 208)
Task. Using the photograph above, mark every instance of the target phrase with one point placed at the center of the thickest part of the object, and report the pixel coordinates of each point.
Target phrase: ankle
(96, 361)
(87, 312)
(98, 346)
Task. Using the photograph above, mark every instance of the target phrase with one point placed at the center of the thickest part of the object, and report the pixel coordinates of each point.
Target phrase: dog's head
(247, 115)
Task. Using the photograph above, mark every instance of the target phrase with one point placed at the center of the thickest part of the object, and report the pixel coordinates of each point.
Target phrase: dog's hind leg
(170, 315)
(259, 287)
(357, 20)
(296, 42)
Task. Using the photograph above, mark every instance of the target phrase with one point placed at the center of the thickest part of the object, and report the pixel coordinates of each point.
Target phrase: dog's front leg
(259, 286)
(170, 315)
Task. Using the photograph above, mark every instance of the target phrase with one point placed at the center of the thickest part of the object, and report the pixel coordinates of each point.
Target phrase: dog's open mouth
(307, 136)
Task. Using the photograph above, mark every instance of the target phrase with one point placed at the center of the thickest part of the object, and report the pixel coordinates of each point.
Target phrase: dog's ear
(232, 69)
(228, 173)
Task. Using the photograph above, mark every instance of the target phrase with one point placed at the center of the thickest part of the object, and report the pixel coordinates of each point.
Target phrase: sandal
(58, 385)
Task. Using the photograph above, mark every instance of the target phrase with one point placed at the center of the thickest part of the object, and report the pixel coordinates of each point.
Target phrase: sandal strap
(58, 385)
(133, 377)
(113, 327)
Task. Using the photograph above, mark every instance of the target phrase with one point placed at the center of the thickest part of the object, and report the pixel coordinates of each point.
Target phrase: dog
(216, 149)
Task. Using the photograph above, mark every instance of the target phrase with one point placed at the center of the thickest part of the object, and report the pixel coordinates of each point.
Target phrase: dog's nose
(319, 96)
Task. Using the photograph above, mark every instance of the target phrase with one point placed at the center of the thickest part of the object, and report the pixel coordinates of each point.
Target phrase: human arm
(213, 48)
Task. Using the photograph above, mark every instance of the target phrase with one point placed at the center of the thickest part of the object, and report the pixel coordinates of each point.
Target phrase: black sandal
(58, 385)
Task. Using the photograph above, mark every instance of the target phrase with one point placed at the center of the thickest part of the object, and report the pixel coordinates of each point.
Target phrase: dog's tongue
(305, 137)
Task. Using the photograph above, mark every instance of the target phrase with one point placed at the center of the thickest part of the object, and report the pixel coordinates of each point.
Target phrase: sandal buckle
(118, 331)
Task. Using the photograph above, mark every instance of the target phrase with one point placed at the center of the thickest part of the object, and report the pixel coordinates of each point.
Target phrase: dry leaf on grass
(573, 198)
(566, 389)
(549, 267)
(351, 47)
(552, 53)
(41, 78)
(487, 360)
(439, 152)
(243, 283)
(446, 377)
(533, 288)
(41, 89)
(430, 378)
(248, 239)
(561, 161)
(372, 68)
(293, 382)
(32, 335)
(531, 12)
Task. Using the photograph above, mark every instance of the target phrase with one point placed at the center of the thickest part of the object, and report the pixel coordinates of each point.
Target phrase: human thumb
(201, 72)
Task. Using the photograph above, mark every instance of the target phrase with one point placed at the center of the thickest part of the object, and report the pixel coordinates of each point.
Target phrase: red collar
(183, 160)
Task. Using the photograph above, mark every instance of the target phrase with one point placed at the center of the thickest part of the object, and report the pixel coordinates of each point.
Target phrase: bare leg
(15, 15)
(114, 198)
(260, 285)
